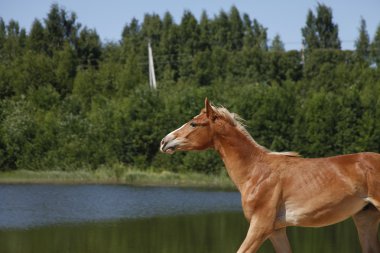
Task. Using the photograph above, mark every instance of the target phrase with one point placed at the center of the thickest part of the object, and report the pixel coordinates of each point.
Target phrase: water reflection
(211, 233)
(221, 232)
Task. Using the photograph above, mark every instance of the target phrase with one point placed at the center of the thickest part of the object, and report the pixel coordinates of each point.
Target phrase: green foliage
(320, 30)
(36, 40)
(309, 32)
(89, 48)
(30, 71)
(316, 125)
(362, 43)
(375, 47)
(60, 28)
(17, 132)
(277, 44)
(69, 101)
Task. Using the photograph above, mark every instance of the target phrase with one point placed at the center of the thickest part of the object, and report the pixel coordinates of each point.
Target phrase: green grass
(119, 175)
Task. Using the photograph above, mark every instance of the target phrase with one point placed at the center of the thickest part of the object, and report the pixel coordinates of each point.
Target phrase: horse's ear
(209, 111)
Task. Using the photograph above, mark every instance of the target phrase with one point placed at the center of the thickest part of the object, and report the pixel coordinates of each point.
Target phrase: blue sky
(283, 17)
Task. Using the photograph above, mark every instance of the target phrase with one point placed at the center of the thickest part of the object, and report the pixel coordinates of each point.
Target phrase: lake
(119, 218)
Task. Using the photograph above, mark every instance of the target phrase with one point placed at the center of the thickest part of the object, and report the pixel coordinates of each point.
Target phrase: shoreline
(133, 177)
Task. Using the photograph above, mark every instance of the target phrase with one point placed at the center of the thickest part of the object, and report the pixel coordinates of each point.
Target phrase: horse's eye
(193, 124)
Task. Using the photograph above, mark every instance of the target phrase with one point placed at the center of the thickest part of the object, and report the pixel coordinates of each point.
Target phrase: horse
(281, 189)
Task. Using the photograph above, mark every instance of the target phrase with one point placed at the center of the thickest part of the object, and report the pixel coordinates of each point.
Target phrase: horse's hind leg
(367, 224)
(280, 241)
(373, 183)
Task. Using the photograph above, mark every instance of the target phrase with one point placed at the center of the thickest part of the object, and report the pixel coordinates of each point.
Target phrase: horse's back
(365, 165)
(365, 161)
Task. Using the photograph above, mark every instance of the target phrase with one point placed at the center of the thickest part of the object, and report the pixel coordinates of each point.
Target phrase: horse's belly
(311, 214)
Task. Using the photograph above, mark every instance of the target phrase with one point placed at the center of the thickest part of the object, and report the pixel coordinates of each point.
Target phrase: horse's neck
(239, 154)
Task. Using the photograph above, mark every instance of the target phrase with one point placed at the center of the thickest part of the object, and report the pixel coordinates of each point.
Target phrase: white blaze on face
(173, 132)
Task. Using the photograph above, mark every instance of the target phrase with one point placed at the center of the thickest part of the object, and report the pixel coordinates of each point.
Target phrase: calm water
(26, 206)
(93, 218)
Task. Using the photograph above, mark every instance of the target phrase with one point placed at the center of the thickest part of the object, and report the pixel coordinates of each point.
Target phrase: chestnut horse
(283, 189)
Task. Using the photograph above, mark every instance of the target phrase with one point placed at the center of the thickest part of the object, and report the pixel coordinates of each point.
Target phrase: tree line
(69, 101)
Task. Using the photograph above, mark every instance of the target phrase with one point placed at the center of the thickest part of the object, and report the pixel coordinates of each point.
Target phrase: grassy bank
(117, 175)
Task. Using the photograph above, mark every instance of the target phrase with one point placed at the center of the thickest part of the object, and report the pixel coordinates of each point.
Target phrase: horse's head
(197, 134)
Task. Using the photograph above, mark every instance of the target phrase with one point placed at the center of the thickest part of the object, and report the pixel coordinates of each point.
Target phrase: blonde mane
(235, 120)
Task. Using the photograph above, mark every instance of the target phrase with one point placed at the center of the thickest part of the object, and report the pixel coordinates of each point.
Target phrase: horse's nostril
(163, 143)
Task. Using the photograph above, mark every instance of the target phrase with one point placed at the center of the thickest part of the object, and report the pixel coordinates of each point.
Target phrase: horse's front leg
(261, 211)
(257, 235)
(280, 241)
(259, 230)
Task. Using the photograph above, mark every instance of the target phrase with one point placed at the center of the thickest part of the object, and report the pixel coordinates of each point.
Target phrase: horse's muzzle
(168, 144)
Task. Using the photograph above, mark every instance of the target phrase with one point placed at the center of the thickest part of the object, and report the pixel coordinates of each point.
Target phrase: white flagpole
(152, 76)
